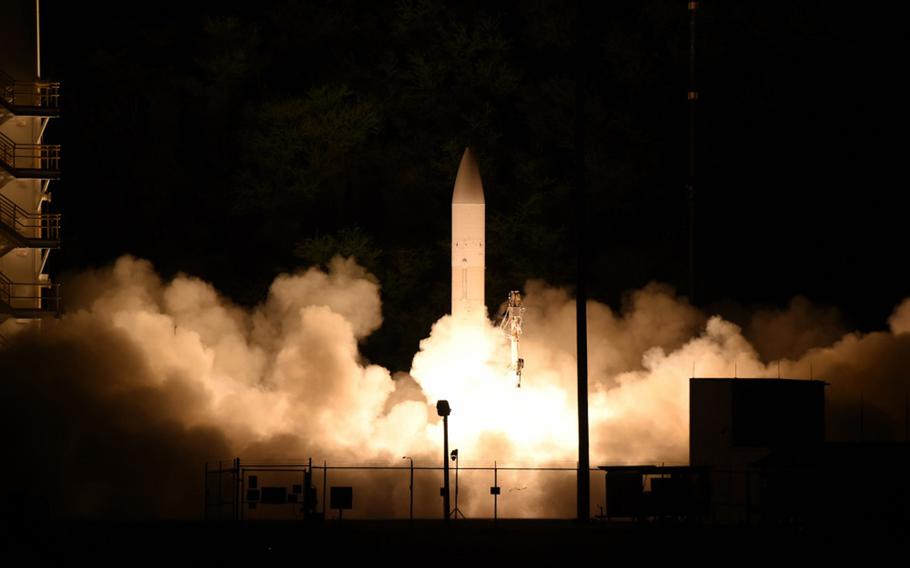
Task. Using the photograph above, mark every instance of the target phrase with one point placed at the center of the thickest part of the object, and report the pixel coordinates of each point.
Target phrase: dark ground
(424, 542)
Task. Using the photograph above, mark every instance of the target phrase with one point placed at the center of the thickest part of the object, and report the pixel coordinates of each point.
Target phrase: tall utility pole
(690, 184)
(581, 316)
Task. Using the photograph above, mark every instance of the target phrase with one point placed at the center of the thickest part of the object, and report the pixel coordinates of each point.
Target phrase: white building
(28, 230)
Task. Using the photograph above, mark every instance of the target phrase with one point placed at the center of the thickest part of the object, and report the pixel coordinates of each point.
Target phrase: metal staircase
(29, 161)
(19, 228)
(29, 98)
(25, 289)
(28, 300)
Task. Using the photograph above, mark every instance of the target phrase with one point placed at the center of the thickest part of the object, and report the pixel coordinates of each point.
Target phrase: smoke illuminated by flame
(174, 369)
(466, 363)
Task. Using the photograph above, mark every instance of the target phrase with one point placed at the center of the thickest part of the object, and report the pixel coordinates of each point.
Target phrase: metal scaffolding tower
(28, 230)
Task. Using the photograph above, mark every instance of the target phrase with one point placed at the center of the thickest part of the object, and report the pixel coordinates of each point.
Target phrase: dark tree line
(238, 141)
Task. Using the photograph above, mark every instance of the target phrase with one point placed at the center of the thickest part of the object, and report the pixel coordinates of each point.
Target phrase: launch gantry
(511, 327)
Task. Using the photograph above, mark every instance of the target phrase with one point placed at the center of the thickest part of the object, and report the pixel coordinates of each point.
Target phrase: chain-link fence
(287, 490)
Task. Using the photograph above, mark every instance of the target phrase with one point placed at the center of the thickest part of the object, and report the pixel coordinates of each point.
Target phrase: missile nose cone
(468, 187)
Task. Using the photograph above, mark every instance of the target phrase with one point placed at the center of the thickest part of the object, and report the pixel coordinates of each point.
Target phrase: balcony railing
(29, 299)
(40, 96)
(42, 160)
(40, 226)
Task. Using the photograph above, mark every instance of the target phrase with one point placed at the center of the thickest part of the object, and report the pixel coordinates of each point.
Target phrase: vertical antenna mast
(38, 39)
(690, 184)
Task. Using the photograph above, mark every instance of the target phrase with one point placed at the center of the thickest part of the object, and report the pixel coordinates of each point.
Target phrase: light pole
(443, 409)
(411, 488)
(456, 511)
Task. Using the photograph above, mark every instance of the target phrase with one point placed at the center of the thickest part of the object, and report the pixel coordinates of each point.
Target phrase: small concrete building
(758, 456)
(734, 423)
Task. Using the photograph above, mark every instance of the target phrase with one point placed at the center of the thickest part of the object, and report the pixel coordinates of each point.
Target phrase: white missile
(468, 241)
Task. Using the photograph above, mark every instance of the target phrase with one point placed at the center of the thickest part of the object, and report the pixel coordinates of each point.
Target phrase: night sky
(235, 142)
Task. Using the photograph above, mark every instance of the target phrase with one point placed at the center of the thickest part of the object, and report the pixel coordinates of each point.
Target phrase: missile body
(468, 241)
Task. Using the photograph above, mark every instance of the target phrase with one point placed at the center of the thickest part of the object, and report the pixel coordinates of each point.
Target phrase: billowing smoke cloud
(790, 333)
(112, 411)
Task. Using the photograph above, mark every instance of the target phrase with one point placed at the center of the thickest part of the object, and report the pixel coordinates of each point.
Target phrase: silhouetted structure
(28, 232)
(733, 423)
(583, 481)
(758, 455)
(692, 97)
(660, 492)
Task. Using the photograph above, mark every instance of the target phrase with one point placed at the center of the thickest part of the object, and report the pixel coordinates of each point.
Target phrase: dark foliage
(237, 141)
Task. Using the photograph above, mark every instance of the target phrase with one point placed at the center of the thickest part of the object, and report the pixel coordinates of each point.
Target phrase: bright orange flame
(467, 363)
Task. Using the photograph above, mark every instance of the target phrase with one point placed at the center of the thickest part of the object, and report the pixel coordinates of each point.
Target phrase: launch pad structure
(28, 230)
(511, 325)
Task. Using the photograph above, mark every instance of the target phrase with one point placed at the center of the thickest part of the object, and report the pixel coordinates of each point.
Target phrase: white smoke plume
(112, 411)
